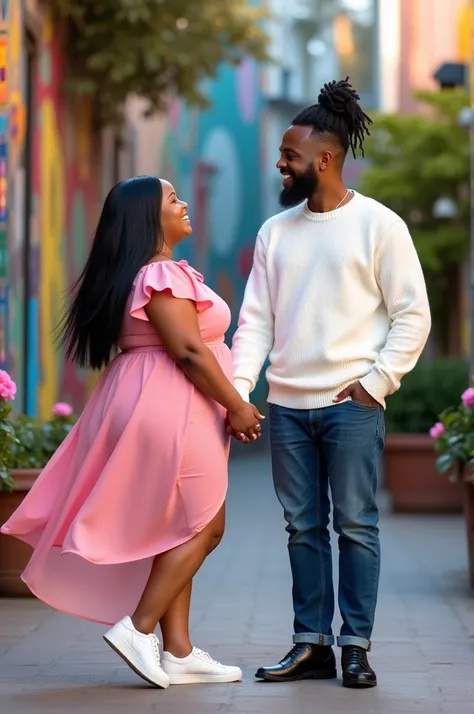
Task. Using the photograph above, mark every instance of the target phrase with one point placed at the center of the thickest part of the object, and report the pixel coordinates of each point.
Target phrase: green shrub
(28, 451)
(431, 388)
(37, 441)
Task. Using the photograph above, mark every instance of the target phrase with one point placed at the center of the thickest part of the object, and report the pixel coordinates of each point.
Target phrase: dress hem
(146, 557)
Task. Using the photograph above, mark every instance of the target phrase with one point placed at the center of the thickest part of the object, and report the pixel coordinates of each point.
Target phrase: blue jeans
(337, 448)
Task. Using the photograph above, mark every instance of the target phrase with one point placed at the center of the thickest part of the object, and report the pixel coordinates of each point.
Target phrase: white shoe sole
(158, 679)
(194, 678)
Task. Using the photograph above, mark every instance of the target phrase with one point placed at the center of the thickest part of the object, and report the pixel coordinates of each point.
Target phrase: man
(336, 298)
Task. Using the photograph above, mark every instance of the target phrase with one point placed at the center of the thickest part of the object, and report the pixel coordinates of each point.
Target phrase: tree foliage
(156, 48)
(414, 161)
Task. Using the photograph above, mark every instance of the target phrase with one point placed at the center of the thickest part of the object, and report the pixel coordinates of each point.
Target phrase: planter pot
(468, 492)
(14, 554)
(412, 479)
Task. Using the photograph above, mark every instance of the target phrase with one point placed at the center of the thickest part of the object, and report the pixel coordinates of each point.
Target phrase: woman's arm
(176, 322)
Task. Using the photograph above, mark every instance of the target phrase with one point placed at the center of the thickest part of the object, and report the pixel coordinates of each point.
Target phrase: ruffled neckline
(180, 263)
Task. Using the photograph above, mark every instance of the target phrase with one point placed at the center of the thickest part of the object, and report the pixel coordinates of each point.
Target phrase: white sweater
(332, 298)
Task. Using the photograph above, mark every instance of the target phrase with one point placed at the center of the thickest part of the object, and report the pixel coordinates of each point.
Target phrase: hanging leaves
(417, 159)
(155, 48)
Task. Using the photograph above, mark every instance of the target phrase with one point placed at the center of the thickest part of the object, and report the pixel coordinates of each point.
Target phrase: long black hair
(338, 112)
(128, 235)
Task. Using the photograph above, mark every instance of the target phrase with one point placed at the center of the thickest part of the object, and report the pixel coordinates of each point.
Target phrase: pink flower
(62, 409)
(7, 386)
(468, 397)
(437, 430)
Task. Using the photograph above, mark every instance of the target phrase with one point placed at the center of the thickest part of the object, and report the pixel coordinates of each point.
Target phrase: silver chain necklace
(341, 202)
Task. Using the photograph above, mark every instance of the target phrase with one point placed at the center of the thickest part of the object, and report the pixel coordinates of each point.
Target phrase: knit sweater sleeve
(253, 339)
(400, 278)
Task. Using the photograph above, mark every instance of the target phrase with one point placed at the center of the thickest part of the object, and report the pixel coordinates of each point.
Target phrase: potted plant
(409, 461)
(453, 437)
(26, 445)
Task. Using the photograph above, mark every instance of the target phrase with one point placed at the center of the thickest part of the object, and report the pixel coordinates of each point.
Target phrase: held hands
(243, 423)
(358, 394)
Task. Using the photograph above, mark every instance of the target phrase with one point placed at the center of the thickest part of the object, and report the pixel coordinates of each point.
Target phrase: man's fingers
(344, 394)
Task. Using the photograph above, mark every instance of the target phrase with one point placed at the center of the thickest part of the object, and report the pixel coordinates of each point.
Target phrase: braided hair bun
(338, 112)
(337, 97)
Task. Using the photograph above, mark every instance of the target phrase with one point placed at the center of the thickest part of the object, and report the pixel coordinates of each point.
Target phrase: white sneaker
(141, 652)
(198, 668)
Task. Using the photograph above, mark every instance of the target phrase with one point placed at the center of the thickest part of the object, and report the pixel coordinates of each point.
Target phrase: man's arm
(253, 339)
(400, 278)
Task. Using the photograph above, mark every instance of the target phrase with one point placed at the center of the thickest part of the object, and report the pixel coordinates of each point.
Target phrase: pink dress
(143, 470)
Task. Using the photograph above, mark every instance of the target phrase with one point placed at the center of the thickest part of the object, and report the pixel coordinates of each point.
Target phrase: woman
(132, 502)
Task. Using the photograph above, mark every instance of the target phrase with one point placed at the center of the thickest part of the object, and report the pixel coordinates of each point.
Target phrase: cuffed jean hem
(313, 638)
(345, 640)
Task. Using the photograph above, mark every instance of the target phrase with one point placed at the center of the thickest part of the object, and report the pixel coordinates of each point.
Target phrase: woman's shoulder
(170, 269)
(177, 278)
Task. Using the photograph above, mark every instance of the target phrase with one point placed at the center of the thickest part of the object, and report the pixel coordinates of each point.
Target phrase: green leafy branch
(8, 442)
(456, 444)
(414, 161)
(155, 48)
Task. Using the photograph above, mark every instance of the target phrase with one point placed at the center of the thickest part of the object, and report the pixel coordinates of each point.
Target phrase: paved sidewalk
(423, 644)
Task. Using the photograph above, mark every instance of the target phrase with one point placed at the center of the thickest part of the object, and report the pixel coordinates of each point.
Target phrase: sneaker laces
(156, 647)
(205, 655)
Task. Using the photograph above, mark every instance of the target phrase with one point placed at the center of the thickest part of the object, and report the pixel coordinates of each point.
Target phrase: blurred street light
(316, 47)
(451, 74)
(458, 74)
(466, 117)
(445, 209)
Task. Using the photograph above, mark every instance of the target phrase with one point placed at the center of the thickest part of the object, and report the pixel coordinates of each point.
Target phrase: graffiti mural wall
(214, 159)
(12, 190)
(4, 180)
(65, 195)
(16, 197)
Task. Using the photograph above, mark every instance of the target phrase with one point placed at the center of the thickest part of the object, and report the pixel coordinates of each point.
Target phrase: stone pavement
(423, 643)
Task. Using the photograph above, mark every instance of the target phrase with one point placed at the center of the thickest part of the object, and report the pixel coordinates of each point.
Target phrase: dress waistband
(161, 348)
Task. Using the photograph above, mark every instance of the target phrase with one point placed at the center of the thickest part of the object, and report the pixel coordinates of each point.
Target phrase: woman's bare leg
(174, 624)
(171, 573)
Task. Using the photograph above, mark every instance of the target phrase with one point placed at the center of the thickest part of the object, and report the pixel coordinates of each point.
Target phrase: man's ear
(324, 160)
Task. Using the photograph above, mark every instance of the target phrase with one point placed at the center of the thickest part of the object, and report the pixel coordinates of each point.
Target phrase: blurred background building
(315, 41)
(416, 36)
(57, 163)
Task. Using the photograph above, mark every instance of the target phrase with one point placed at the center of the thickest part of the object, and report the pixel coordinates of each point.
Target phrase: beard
(303, 186)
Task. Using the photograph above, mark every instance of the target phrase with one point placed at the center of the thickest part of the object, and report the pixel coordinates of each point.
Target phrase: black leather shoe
(304, 661)
(356, 670)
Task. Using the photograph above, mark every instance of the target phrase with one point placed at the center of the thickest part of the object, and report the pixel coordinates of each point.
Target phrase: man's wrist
(375, 385)
(243, 387)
